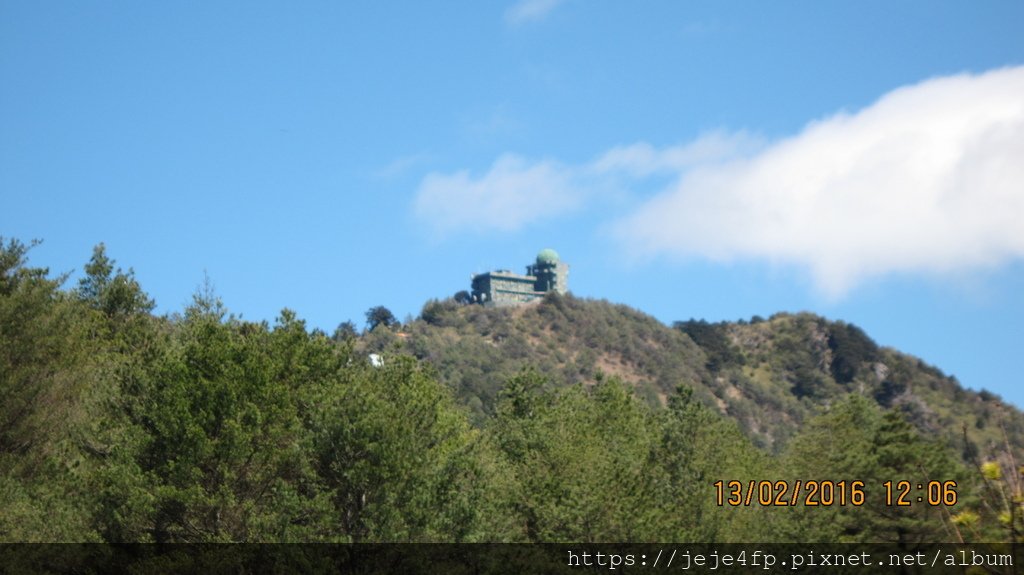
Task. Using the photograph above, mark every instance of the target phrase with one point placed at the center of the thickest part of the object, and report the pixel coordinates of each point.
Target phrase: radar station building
(503, 288)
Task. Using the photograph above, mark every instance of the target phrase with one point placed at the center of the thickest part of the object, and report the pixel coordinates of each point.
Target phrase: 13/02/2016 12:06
(814, 493)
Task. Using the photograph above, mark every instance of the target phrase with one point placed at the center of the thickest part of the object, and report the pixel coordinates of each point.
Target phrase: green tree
(379, 315)
(699, 448)
(400, 462)
(850, 347)
(346, 331)
(856, 440)
(114, 292)
(216, 449)
(597, 464)
(582, 460)
(711, 338)
(45, 355)
(48, 370)
(437, 312)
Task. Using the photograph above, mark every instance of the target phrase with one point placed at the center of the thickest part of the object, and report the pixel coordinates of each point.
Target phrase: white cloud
(642, 160)
(929, 179)
(527, 10)
(512, 194)
(516, 192)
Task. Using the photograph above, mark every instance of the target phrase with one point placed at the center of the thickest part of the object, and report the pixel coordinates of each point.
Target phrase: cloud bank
(927, 180)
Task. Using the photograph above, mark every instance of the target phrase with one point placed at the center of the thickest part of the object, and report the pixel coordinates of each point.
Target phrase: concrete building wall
(502, 287)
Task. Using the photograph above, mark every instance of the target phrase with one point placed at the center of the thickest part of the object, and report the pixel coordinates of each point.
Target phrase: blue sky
(861, 160)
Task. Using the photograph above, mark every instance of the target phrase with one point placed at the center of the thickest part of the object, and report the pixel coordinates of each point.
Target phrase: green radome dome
(547, 256)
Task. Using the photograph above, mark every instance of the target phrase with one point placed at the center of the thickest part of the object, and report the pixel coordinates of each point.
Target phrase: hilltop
(770, 375)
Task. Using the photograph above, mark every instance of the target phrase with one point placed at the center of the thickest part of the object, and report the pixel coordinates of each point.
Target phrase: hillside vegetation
(570, 420)
(771, 376)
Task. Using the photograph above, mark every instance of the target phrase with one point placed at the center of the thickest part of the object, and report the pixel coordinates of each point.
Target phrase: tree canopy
(118, 425)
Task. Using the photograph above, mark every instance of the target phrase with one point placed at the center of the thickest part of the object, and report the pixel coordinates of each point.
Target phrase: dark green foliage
(438, 313)
(570, 420)
(346, 331)
(48, 371)
(398, 461)
(249, 434)
(595, 464)
(699, 447)
(206, 428)
(219, 453)
(13, 257)
(857, 440)
(713, 340)
(36, 360)
(888, 390)
(987, 396)
(379, 315)
(114, 292)
(47, 358)
(808, 383)
(850, 348)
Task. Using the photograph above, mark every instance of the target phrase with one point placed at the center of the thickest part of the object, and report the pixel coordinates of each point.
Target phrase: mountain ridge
(770, 375)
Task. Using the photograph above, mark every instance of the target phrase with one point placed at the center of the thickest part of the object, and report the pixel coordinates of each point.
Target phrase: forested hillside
(770, 375)
(568, 420)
